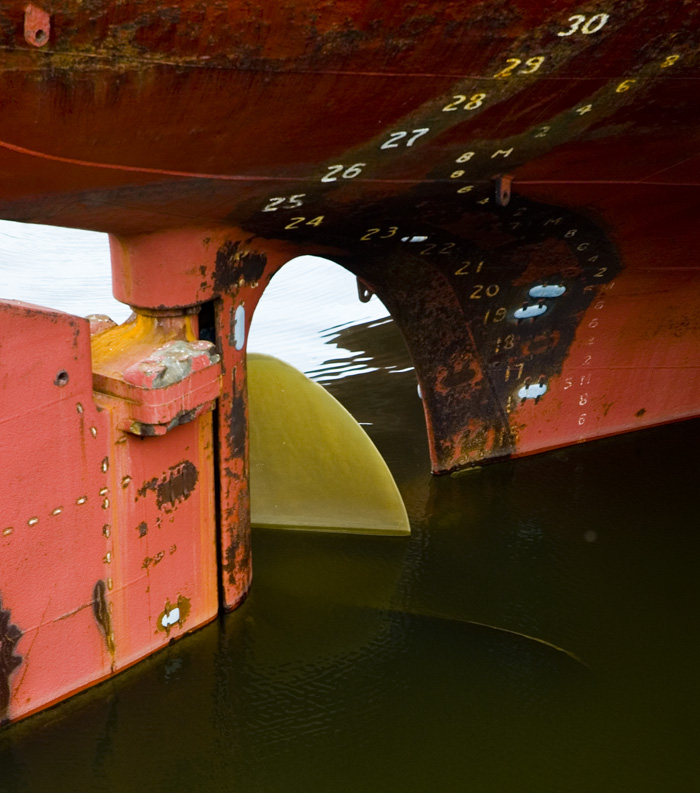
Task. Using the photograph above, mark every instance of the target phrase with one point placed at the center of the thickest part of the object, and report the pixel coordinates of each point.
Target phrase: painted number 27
(395, 137)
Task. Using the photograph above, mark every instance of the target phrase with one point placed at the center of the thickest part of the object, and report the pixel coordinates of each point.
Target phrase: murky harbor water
(368, 663)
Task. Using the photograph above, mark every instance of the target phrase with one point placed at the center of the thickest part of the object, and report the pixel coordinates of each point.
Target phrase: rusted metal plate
(342, 106)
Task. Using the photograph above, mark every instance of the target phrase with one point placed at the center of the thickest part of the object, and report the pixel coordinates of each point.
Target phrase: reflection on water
(357, 663)
(58, 268)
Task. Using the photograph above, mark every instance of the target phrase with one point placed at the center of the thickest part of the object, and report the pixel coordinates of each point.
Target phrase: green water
(356, 663)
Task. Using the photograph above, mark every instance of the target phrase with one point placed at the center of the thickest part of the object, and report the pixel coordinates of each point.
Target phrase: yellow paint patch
(311, 464)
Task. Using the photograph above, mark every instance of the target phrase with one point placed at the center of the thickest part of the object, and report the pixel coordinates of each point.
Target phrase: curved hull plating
(517, 183)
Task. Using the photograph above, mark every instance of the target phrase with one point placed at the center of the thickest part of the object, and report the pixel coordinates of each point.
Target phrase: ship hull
(518, 186)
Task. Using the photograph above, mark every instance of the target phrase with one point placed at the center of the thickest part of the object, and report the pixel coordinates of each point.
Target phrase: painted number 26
(347, 173)
(395, 137)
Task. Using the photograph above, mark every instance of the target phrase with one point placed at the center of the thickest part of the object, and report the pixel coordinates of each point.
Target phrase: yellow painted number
(470, 102)
(479, 291)
(530, 67)
(299, 221)
(466, 268)
(390, 232)
(497, 316)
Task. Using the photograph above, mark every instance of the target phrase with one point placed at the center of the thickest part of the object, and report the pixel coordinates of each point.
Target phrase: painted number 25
(284, 202)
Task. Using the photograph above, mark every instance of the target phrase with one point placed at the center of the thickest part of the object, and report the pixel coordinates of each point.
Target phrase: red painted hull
(518, 185)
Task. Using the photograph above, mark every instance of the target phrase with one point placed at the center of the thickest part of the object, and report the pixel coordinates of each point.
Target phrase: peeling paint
(9, 636)
(100, 609)
(173, 614)
(232, 265)
(174, 486)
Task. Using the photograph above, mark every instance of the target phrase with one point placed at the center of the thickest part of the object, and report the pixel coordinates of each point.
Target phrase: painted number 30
(585, 25)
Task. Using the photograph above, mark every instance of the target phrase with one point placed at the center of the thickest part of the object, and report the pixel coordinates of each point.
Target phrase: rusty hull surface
(102, 531)
(517, 182)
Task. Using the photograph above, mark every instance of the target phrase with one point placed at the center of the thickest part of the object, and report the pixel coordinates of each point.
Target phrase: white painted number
(293, 201)
(347, 173)
(579, 23)
(395, 137)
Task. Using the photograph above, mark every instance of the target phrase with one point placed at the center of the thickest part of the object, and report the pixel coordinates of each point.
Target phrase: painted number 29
(530, 67)
(585, 25)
